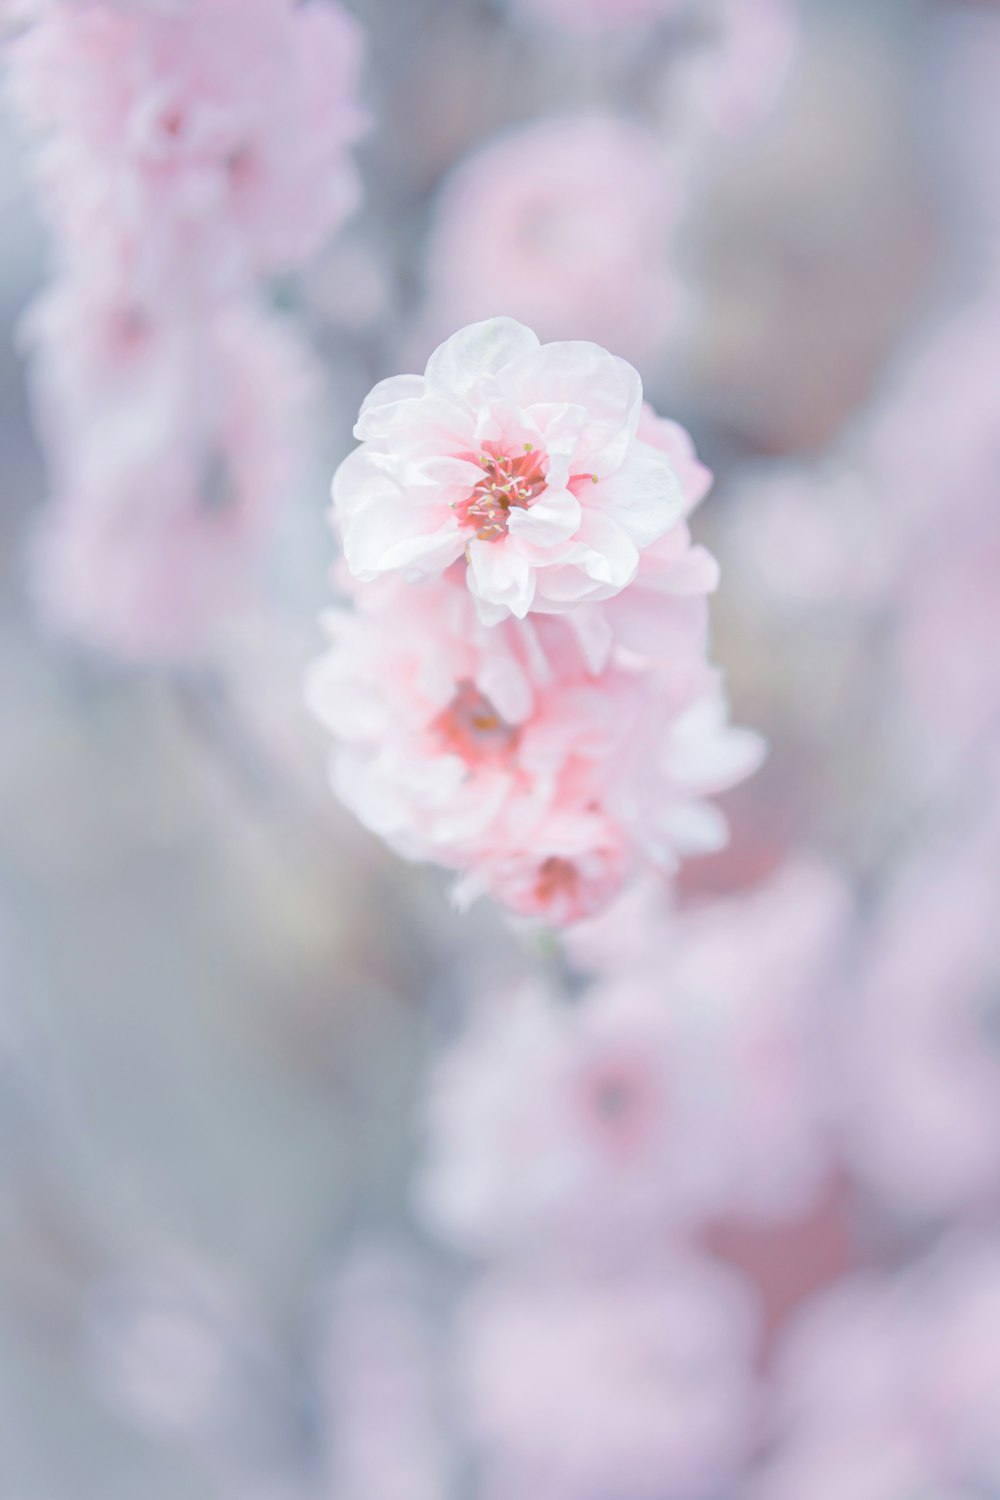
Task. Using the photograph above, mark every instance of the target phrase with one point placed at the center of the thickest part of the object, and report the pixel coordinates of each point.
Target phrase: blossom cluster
(185, 154)
(520, 689)
(645, 1168)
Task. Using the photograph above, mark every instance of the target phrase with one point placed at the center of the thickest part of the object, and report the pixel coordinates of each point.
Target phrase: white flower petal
(583, 375)
(553, 518)
(498, 575)
(382, 403)
(482, 349)
(643, 496)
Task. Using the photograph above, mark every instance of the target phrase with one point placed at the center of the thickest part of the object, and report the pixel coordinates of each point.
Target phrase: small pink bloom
(734, 79)
(921, 1088)
(566, 224)
(888, 1387)
(537, 757)
(520, 457)
(169, 472)
(196, 147)
(382, 1383)
(636, 1386)
(683, 1087)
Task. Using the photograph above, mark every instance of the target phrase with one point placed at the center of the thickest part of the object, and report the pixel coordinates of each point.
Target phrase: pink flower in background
(196, 147)
(887, 1387)
(382, 1385)
(948, 627)
(167, 494)
(810, 538)
(932, 435)
(921, 1095)
(683, 1087)
(535, 757)
(639, 1387)
(565, 224)
(875, 1461)
(732, 79)
(936, 462)
(552, 1126)
(176, 1349)
(521, 457)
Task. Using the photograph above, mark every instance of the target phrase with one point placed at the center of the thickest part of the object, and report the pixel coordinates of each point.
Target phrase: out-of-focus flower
(192, 148)
(936, 464)
(639, 1387)
(520, 456)
(733, 78)
(932, 434)
(176, 1351)
(565, 224)
(888, 1387)
(807, 537)
(921, 1095)
(537, 757)
(382, 1384)
(168, 479)
(679, 1089)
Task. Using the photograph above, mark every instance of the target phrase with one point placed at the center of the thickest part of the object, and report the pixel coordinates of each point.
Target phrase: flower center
(471, 727)
(556, 877)
(619, 1100)
(508, 481)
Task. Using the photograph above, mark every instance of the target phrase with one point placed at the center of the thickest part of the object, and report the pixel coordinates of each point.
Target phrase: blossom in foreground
(678, 1090)
(638, 1387)
(565, 223)
(521, 458)
(538, 758)
(192, 147)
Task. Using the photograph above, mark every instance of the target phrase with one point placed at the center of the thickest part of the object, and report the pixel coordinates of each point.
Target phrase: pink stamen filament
(507, 483)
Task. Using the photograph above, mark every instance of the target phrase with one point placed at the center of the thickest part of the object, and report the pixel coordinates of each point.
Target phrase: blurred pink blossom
(921, 1096)
(888, 1386)
(639, 1388)
(681, 1088)
(178, 462)
(565, 224)
(192, 148)
(382, 1383)
(813, 537)
(732, 79)
(936, 459)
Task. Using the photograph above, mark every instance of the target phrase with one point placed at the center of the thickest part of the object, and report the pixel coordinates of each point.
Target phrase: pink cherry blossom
(193, 147)
(566, 224)
(522, 458)
(638, 1387)
(683, 1087)
(166, 496)
(536, 757)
